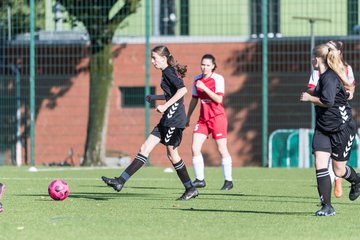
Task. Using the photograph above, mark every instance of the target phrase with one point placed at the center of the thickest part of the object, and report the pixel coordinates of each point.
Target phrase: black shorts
(337, 144)
(169, 136)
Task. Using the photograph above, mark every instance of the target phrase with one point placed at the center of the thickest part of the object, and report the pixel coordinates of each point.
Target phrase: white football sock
(331, 171)
(227, 167)
(198, 165)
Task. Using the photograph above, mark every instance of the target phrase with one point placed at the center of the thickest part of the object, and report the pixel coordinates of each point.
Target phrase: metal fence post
(147, 69)
(264, 9)
(32, 82)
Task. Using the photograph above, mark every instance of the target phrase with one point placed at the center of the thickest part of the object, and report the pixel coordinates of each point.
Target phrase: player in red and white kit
(2, 190)
(313, 81)
(208, 87)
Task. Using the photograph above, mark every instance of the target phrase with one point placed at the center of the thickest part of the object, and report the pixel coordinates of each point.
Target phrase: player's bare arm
(192, 106)
(306, 97)
(179, 94)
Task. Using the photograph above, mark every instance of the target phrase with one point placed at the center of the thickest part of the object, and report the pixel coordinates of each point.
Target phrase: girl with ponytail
(336, 48)
(170, 127)
(335, 128)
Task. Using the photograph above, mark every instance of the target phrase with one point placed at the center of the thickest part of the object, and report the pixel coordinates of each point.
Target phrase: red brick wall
(126, 126)
(62, 129)
(241, 65)
(62, 94)
(61, 102)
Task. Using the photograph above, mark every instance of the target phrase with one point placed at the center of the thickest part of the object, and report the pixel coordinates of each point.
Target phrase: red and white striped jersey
(209, 108)
(314, 78)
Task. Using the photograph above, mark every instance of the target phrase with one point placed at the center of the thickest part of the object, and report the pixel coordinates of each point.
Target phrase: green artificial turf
(264, 204)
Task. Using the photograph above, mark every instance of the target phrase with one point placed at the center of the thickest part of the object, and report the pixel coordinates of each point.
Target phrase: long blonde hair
(339, 46)
(332, 59)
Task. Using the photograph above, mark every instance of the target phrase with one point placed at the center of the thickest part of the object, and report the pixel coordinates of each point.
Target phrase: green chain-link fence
(91, 72)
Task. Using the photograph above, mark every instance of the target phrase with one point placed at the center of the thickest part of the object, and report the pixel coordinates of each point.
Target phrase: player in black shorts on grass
(313, 81)
(169, 129)
(335, 128)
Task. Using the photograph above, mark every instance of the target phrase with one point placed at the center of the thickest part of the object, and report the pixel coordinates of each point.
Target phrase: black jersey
(332, 93)
(175, 115)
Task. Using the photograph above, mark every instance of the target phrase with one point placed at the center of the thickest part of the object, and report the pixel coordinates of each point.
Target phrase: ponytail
(333, 60)
(164, 51)
(338, 46)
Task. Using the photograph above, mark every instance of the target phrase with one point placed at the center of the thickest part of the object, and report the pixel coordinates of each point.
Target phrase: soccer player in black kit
(169, 130)
(335, 128)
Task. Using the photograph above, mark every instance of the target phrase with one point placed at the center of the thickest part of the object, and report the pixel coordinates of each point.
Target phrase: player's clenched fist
(304, 97)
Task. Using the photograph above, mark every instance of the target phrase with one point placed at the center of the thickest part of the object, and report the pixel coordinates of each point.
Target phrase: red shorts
(217, 126)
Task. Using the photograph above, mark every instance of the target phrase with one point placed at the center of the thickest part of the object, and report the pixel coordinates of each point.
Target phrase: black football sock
(324, 185)
(350, 175)
(183, 174)
(136, 164)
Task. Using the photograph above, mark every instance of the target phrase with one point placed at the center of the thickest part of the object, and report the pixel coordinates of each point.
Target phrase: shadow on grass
(166, 188)
(90, 195)
(100, 196)
(257, 195)
(267, 198)
(247, 211)
(133, 187)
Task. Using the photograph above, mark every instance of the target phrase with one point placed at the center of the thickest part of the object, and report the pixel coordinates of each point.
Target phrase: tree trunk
(101, 80)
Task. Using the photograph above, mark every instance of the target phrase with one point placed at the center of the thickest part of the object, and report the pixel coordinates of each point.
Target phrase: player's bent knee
(144, 150)
(224, 153)
(196, 151)
(339, 173)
